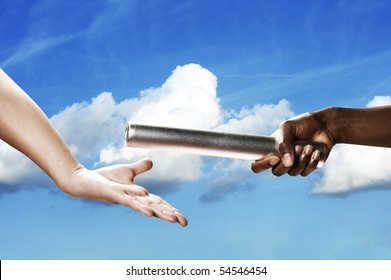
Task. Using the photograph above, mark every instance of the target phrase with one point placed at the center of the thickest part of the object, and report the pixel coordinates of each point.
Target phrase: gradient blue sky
(312, 54)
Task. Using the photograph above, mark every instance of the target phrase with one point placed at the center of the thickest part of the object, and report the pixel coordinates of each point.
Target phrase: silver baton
(205, 142)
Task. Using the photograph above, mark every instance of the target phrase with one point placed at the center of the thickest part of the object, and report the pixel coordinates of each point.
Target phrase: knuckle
(277, 173)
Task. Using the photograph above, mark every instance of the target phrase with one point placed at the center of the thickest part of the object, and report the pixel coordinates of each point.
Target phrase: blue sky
(91, 65)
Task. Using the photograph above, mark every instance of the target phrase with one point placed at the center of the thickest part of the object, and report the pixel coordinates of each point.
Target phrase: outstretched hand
(115, 184)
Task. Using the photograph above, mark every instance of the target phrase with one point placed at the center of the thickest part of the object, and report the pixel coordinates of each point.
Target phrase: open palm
(115, 184)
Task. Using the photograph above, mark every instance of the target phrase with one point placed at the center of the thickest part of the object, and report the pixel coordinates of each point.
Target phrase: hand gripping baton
(205, 142)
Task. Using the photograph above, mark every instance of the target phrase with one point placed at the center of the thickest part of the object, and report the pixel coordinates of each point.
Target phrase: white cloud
(187, 99)
(261, 119)
(15, 168)
(379, 101)
(94, 130)
(87, 126)
(354, 168)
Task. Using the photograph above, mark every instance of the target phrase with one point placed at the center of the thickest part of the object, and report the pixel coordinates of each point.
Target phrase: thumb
(141, 166)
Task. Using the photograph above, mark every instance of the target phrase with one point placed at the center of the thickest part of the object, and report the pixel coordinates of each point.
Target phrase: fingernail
(308, 150)
(184, 224)
(274, 161)
(316, 155)
(287, 160)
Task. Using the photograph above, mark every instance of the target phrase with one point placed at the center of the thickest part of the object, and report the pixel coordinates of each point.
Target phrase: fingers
(305, 162)
(152, 205)
(125, 173)
(141, 166)
(285, 137)
(303, 157)
(280, 169)
(295, 160)
(312, 165)
(136, 190)
(163, 210)
(125, 192)
(264, 164)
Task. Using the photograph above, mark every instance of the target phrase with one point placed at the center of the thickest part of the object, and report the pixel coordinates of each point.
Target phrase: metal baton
(205, 142)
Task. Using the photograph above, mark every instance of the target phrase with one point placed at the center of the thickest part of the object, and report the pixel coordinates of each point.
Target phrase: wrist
(333, 122)
(67, 182)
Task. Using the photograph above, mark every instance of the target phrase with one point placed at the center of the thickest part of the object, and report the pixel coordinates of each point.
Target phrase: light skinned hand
(25, 127)
(115, 184)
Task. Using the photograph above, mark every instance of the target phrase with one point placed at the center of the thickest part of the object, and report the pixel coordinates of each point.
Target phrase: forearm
(362, 126)
(25, 127)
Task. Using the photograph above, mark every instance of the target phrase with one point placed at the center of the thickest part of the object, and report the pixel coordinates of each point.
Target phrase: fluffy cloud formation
(94, 130)
(187, 99)
(16, 169)
(354, 168)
